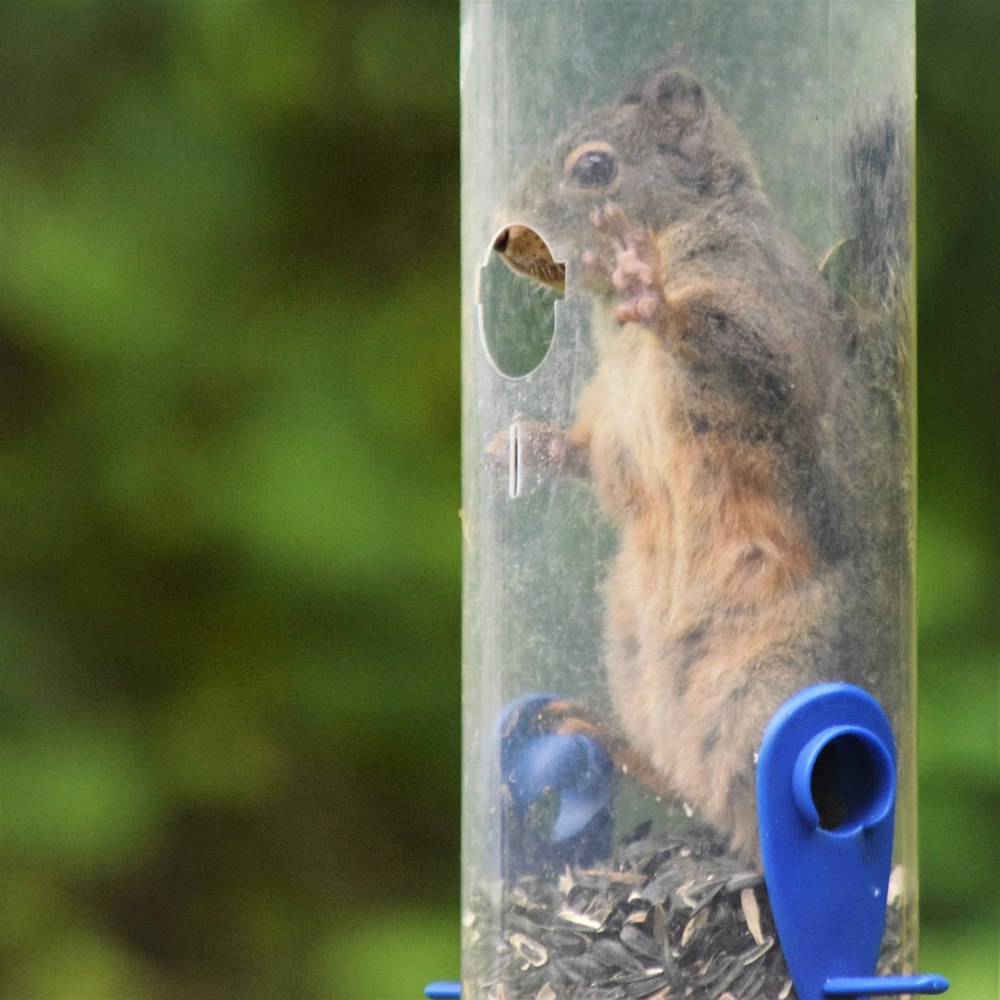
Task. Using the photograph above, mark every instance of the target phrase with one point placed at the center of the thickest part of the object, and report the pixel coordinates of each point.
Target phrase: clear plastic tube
(688, 458)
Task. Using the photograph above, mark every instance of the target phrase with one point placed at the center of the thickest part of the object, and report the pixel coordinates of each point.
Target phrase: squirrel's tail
(870, 272)
(873, 286)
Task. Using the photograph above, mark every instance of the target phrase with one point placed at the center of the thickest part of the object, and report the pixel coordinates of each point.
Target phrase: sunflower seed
(616, 956)
(593, 917)
(565, 942)
(646, 987)
(530, 950)
(585, 969)
(751, 913)
(599, 934)
(745, 880)
(693, 926)
(755, 954)
(639, 943)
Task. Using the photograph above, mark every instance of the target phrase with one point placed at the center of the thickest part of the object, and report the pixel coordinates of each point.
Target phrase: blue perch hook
(558, 786)
(826, 793)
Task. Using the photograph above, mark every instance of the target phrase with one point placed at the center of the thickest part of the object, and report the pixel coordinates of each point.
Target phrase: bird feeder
(687, 506)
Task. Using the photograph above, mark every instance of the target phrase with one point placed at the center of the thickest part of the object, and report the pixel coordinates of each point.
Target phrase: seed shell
(664, 918)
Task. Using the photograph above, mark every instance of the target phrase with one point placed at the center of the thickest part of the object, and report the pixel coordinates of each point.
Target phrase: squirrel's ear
(679, 100)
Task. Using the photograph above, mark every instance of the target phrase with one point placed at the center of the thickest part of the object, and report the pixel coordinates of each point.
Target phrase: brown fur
(722, 434)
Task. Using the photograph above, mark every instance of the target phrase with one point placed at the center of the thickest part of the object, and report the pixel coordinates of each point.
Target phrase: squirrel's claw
(636, 273)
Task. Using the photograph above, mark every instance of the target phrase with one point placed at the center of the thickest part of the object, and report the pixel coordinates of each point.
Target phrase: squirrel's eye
(592, 165)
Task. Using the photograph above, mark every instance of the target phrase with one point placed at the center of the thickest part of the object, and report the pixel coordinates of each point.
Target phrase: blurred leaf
(960, 715)
(953, 570)
(86, 966)
(272, 55)
(399, 50)
(391, 954)
(75, 795)
(967, 954)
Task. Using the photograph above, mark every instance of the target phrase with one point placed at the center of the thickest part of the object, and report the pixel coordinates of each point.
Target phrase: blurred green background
(229, 484)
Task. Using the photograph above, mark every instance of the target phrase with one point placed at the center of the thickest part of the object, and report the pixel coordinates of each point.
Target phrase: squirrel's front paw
(636, 272)
(537, 446)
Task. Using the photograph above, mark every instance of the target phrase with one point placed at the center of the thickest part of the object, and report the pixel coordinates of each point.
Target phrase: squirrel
(743, 429)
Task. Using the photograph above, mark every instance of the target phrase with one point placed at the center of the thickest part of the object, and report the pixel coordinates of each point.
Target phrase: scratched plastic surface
(650, 573)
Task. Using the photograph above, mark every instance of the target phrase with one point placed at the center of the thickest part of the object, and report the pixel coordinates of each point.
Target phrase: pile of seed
(663, 918)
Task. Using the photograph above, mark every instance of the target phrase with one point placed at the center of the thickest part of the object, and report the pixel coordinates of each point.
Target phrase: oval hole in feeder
(519, 286)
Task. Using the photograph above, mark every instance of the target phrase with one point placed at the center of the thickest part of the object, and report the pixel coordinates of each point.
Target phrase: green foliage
(229, 489)
(959, 548)
(229, 485)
